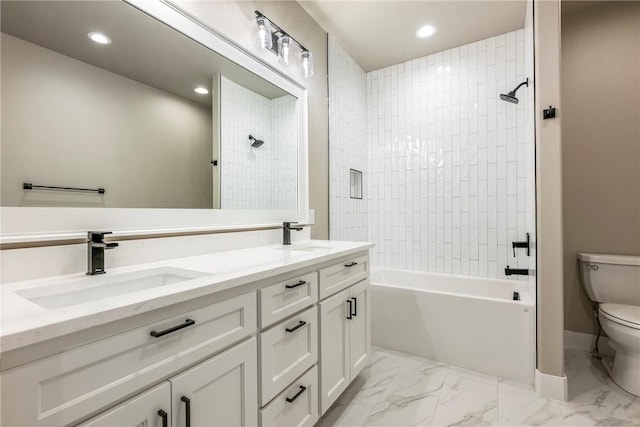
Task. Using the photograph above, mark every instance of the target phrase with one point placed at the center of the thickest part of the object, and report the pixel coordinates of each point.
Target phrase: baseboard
(552, 387)
(586, 342)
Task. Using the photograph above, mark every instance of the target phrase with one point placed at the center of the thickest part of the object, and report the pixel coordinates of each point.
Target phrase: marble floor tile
(591, 401)
(466, 401)
(345, 414)
(374, 379)
(412, 396)
(398, 390)
(519, 405)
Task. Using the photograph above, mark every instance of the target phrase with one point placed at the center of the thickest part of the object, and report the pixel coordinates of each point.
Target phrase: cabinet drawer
(74, 384)
(296, 406)
(286, 351)
(283, 299)
(342, 275)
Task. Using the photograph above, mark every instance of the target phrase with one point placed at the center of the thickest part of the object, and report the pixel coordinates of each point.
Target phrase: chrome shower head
(511, 96)
(255, 142)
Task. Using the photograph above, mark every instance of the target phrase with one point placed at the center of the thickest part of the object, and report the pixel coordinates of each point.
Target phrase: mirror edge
(35, 224)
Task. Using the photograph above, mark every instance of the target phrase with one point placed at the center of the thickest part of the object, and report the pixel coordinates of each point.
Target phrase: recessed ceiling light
(99, 38)
(201, 90)
(426, 31)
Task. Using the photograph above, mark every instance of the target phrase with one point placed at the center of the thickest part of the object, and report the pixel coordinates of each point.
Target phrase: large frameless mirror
(104, 106)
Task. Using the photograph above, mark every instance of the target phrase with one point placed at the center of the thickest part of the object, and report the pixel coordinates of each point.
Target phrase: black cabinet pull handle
(351, 264)
(298, 326)
(186, 323)
(165, 418)
(187, 410)
(355, 306)
(297, 395)
(349, 316)
(295, 285)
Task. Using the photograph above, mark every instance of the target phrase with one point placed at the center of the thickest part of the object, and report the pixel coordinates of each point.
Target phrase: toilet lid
(625, 314)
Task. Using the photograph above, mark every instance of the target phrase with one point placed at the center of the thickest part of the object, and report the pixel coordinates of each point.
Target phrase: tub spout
(516, 271)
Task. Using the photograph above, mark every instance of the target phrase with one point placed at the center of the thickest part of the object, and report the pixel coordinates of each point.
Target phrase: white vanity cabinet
(345, 333)
(276, 351)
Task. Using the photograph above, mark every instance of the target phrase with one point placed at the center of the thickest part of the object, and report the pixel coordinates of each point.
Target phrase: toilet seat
(625, 315)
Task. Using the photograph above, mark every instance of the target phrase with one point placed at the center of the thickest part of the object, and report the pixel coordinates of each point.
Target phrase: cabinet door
(359, 328)
(334, 348)
(221, 391)
(151, 408)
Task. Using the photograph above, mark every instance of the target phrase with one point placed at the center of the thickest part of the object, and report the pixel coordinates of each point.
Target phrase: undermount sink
(93, 288)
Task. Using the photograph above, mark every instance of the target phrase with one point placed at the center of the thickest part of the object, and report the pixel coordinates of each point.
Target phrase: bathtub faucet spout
(516, 271)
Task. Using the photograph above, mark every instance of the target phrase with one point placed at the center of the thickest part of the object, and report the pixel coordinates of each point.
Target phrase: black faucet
(286, 232)
(95, 251)
(516, 271)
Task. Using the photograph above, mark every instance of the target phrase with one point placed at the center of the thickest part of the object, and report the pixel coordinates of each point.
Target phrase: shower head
(511, 96)
(255, 142)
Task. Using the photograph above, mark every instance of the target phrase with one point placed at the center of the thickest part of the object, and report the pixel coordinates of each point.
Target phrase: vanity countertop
(24, 322)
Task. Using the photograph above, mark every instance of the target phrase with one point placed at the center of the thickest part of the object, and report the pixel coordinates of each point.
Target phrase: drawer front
(297, 406)
(340, 276)
(286, 351)
(74, 384)
(283, 299)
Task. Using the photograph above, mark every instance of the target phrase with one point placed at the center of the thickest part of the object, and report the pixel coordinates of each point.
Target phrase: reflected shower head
(511, 96)
(255, 142)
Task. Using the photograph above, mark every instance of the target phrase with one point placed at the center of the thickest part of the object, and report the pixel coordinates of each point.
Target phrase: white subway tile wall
(448, 160)
(348, 144)
(264, 177)
(449, 174)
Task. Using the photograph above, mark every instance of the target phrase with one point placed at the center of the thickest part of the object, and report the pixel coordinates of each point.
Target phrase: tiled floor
(400, 390)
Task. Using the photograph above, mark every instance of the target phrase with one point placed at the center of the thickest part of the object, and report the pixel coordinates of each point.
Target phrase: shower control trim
(526, 244)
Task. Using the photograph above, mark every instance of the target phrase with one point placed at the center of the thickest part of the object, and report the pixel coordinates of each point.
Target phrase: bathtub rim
(521, 286)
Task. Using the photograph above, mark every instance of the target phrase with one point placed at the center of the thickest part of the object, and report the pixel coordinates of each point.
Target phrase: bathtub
(465, 321)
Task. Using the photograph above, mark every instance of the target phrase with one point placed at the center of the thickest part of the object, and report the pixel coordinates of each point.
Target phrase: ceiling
(379, 33)
(142, 48)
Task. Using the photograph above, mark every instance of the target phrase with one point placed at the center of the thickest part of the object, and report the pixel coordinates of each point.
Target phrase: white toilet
(614, 282)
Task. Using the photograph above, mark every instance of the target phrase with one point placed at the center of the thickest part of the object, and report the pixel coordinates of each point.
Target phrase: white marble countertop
(24, 322)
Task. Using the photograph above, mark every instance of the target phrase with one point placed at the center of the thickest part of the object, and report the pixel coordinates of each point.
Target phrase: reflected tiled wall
(448, 160)
(264, 177)
(348, 144)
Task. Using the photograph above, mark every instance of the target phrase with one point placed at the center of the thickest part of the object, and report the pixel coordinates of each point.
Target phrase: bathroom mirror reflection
(99, 95)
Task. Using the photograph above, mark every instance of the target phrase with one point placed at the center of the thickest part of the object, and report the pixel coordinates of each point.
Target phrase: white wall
(264, 177)
(67, 123)
(448, 160)
(348, 144)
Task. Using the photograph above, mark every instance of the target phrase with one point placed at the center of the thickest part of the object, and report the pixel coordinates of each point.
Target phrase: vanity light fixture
(426, 31)
(99, 38)
(270, 36)
(264, 38)
(201, 90)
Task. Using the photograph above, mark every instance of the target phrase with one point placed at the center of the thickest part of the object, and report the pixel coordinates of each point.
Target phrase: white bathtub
(465, 321)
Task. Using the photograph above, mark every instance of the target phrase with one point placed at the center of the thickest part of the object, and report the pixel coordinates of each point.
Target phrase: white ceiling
(379, 33)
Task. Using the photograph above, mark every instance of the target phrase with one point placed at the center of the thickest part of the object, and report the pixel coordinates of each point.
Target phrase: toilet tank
(611, 278)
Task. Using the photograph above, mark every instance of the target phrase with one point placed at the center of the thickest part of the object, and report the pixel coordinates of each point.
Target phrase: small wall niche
(355, 184)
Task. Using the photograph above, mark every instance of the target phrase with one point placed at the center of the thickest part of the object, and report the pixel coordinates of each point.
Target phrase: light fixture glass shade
(306, 62)
(284, 49)
(263, 33)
